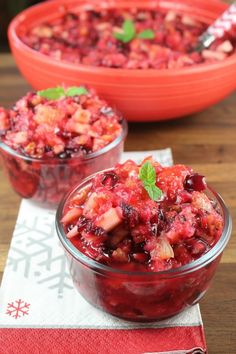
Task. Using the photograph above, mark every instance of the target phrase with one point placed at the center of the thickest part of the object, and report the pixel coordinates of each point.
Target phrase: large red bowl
(141, 95)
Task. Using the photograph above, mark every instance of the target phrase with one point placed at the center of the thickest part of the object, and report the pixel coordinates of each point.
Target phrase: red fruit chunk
(195, 182)
(171, 180)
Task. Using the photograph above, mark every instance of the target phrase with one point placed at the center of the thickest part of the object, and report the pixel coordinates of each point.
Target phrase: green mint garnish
(129, 32)
(147, 174)
(57, 92)
(76, 91)
(52, 93)
(146, 34)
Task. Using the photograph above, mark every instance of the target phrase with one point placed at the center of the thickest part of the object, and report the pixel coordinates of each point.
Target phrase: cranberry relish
(68, 126)
(158, 40)
(115, 222)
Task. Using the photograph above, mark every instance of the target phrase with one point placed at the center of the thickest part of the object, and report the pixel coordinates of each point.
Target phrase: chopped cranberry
(130, 215)
(195, 182)
(141, 257)
(82, 223)
(109, 179)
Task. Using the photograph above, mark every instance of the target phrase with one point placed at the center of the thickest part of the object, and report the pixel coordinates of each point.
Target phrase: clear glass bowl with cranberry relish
(147, 285)
(50, 140)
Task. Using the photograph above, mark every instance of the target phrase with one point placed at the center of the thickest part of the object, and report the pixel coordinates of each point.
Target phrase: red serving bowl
(141, 95)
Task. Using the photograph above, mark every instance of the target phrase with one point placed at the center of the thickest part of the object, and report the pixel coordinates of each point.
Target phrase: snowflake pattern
(17, 308)
(35, 251)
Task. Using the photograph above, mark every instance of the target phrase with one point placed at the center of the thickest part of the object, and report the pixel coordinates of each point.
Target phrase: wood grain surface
(207, 142)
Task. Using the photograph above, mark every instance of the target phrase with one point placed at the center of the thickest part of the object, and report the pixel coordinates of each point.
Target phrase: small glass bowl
(142, 296)
(45, 181)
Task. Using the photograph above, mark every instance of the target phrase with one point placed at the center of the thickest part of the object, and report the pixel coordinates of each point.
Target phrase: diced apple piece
(57, 149)
(73, 232)
(201, 201)
(20, 137)
(171, 16)
(210, 54)
(110, 219)
(82, 140)
(162, 250)
(71, 215)
(184, 59)
(120, 256)
(188, 21)
(90, 203)
(97, 144)
(30, 148)
(81, 116)
(80, 197)
(76, 127)
(43, 31)
(225, 47)
(47, 115)
(107, 137)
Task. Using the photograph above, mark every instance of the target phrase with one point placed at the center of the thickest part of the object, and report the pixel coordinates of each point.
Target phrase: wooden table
(207, 142)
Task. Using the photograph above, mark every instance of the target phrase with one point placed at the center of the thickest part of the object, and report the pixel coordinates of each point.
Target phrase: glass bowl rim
(84, 158)
(171, 273)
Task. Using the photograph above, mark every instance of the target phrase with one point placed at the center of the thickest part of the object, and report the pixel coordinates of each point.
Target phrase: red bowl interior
(141, 95)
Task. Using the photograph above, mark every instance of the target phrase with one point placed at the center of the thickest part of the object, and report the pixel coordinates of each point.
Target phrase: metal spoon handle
(217, 30)
(190, 351)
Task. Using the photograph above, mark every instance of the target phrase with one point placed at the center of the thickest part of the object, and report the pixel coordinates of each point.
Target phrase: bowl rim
(171, 273)
(85, 158)
(134, 73)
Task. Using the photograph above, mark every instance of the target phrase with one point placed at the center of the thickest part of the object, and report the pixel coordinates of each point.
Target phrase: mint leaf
(57, 92)
(119, 36)
(153, 191)
(147, 174)
(52, 93)
(146, 34)
(76, 91)
(129, 32)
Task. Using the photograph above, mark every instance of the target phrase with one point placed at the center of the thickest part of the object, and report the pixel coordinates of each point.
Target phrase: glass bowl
(142, 296)
(45, 181)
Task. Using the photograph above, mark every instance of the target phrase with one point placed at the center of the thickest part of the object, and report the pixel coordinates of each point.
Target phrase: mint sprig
(129, 32)
(55, 93)
(146, 34)
(76, 91)
(147, 174)
(52, 93)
